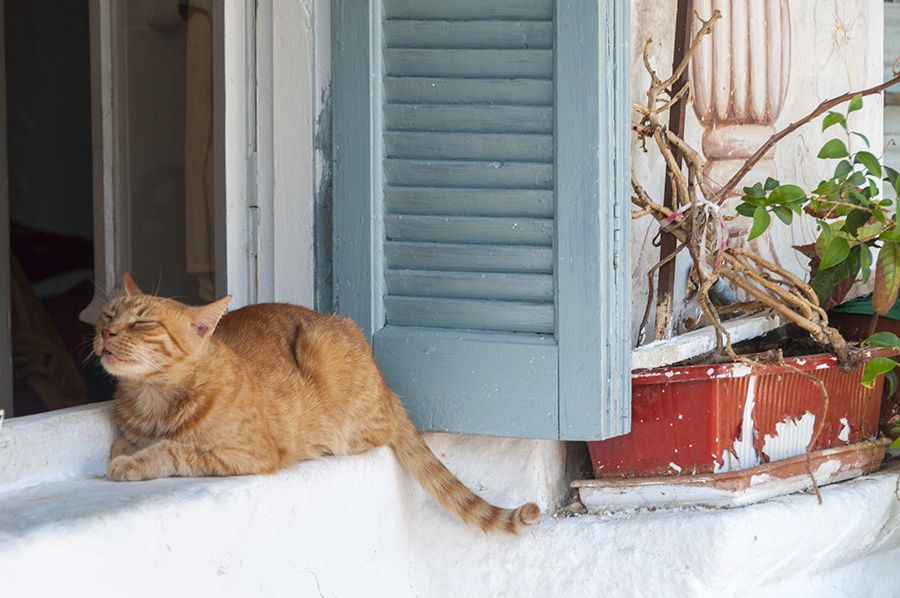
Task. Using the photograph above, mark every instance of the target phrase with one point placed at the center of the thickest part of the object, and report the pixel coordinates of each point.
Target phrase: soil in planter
(789, 340)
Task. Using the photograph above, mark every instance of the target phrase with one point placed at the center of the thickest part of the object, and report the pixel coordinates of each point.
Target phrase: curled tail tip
(529, 513)
(519, 519)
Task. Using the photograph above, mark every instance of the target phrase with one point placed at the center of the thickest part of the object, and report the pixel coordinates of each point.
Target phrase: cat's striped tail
(452, 494)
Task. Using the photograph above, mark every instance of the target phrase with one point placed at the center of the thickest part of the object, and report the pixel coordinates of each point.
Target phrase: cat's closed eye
(143, 324)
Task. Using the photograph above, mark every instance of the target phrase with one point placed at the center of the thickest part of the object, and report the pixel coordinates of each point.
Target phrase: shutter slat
(469, 202)
(469, 34)
(410, 62)
(468, 9)
(439, 90)
(471, 285)
(448, 229)
(456, 173)
(510, 316)
(468, 258)
(479, 119)
(468, 146)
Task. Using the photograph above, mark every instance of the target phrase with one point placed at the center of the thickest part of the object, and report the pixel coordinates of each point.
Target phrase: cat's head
(142, 336)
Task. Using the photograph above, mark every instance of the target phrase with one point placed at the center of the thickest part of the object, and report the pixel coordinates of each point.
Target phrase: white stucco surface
(359, 526)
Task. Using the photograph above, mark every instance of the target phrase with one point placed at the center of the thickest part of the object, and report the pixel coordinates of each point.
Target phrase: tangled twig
(698, 225)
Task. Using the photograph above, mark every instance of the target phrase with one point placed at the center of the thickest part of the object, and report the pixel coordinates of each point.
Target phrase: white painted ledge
(359, 526)
(703, 340)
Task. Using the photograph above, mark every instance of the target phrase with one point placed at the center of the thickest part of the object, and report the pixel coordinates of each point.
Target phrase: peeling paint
(844, 434)
(323, 224)
(743, 455)
(790, 439)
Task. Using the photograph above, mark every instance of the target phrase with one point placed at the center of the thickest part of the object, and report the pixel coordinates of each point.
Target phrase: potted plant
(757, 408)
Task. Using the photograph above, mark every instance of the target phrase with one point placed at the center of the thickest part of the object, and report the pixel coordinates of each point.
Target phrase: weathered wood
(442, 90)
(476, 383)
(665, 286)
(470, 285)
(458, 173)
(535, 203)
(468, 9)
(469, 34)
(438, 62)
(468, 118)
(468, 258)
(592, 218)
(469, 229)
(462, 314)
(468, 146)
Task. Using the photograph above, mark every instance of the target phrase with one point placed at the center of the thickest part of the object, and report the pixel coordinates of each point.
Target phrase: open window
(109, 111)
(481, 209)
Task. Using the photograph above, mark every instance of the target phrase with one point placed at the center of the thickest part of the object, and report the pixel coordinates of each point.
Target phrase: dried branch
(776, 137)
(697, 224)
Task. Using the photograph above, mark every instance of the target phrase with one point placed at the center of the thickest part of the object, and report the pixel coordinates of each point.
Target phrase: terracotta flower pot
(730, 417)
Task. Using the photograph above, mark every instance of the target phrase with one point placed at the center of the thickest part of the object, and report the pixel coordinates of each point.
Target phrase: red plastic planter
(693, 419)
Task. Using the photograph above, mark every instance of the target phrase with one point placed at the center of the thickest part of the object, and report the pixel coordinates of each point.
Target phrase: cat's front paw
(127, 469)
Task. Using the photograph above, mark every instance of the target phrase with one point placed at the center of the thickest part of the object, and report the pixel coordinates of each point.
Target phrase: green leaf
(890, 175)
(761, 220)
(869, 160)
(873, 188)
(833, 148)
(796, 206)
(890, 254)
(855, 220)
(835, 252)
(843, 169)
(824, 238)
(887, 277)
(891, 377)
(834, 118)
(825, 281)
(865, 262)
(784, 214)
(770, 184)
(855, 104)
(883, 339)
(754, 201)
(856, 179)
(745, 209)
(896, 443)
(755, 191)
(786, 193)
(861, 136)
(876, 367)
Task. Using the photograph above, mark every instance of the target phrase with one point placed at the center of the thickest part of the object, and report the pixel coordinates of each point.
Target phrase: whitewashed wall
(835, 46)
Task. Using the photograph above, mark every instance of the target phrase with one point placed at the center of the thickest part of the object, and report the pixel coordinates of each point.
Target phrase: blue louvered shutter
(480, 210)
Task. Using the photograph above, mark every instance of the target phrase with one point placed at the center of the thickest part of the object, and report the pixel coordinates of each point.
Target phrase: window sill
(66, 530)
(685, 346)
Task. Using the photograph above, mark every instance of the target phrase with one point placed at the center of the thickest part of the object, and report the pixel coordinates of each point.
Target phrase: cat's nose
(108, 333)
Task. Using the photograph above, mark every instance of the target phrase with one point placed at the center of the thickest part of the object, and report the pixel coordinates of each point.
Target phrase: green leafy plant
(853, 217)
(854, 221)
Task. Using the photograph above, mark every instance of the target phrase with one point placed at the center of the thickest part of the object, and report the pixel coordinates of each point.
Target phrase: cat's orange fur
(201, 392)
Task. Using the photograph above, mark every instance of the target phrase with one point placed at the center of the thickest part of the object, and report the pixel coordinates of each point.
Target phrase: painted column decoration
(740, 78)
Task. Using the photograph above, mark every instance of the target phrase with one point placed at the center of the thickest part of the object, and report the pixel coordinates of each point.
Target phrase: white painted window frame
(272, 67)
(272, 73)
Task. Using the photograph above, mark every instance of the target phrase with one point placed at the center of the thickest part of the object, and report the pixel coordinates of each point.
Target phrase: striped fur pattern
(202, 392)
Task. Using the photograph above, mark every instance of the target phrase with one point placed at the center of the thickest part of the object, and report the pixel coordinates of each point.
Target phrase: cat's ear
(131, 288)
(205, 318)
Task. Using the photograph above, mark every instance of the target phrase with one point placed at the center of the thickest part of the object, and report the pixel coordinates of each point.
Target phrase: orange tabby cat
(201, 392)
